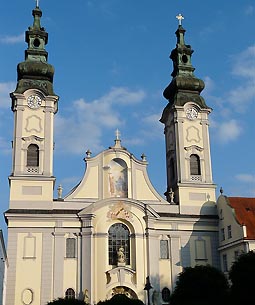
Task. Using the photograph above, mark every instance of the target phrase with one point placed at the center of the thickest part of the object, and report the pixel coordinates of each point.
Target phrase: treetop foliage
(200, 285)
(66, 301)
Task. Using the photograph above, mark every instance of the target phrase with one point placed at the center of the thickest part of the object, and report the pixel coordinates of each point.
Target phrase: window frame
(33, 153)
(164, 249)
(195, 166)
(165, 294)
(222, 232)
(117, 238)
(229, 231)
(69, 293)
(225, 262)
(70, 248)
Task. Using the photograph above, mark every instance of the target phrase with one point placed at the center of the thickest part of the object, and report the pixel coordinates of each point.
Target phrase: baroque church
(114, 233)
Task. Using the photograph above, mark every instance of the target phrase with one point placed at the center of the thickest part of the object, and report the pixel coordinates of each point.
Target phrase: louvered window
(195, 165)
(164, 253)
(70, 247)
(33, 155)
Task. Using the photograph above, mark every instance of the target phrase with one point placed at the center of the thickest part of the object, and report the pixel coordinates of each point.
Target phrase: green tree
(121, 299)
(66, 301)
(201, 285)
(241, 276)
(118, 299)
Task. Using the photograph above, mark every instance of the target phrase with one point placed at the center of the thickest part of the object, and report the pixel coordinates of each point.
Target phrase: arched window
(119, 237)
(195, 165)
(166, 294)
(70, 294)
(33, 155)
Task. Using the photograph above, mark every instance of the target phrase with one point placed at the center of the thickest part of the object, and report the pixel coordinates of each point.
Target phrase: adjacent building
(236, 228)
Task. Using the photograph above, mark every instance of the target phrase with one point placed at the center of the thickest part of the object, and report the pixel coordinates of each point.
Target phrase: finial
(37, 3)
(221, 190)
(88, 153)
(143, 156)
(117, 133)
(180, 18)
(60, 191)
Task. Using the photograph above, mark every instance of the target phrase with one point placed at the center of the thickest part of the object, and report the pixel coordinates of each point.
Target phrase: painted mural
(118, 184)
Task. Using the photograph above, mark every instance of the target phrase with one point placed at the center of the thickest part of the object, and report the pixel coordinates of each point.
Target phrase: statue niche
(117, 177)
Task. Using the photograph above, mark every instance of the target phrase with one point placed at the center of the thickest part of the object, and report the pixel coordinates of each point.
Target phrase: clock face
(34, 101)
(191, 113)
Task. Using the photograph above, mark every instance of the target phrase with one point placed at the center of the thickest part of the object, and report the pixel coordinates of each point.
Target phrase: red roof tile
(245, 213)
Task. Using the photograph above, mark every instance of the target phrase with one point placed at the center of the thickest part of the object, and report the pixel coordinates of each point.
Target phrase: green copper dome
(35, 71)
(184, 87)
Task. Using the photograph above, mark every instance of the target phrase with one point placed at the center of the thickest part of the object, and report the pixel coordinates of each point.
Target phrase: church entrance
(122, 291)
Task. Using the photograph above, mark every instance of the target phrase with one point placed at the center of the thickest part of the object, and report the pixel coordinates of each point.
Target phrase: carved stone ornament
(193, 134)
(32, 138)
(120, 210)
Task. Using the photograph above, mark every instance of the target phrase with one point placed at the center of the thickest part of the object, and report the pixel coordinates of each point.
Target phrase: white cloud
(86, 123)
(209, 85)
(249, 10)
(154, 128)
(247, 178)
(244, 68)
(135, 141)
(5, 89)
(244, 63)
(228, 131)
(12, 39)
(121, 95)
(242, 95)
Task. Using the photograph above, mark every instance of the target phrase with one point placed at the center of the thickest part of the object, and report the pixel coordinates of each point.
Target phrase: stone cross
(117, 133)
(180, 18)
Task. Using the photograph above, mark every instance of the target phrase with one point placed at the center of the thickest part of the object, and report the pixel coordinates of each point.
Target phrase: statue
(121, 256)
(60, 191)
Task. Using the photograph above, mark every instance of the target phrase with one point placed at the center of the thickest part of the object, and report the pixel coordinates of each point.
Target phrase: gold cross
(180, 18)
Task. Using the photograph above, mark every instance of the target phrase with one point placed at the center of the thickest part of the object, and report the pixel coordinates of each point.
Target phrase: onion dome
(35, 71)
(184, 87)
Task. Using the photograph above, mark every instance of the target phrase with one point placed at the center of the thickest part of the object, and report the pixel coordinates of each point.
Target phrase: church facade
(113, 231)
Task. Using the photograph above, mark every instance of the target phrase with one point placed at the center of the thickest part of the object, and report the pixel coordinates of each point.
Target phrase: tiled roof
(245, 213)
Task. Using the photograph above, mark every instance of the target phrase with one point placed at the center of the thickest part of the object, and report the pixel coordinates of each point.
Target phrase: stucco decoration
(121, 275)
(193, 134)
(32, 138)
(120, 210)
(33, 123)
(124, 290)
(27, 296)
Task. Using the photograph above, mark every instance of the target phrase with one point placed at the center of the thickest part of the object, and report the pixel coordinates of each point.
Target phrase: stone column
(87, 257)
(175, 254)
(58, 264)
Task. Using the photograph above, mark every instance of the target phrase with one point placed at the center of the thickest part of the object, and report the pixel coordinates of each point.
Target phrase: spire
(184, 87)
(117, 139)
(35, 71)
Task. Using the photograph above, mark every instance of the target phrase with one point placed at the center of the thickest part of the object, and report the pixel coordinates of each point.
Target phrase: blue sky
(111, 67)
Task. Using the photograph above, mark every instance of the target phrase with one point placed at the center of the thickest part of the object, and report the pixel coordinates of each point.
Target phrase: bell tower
(188, 160)
(34, 104)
